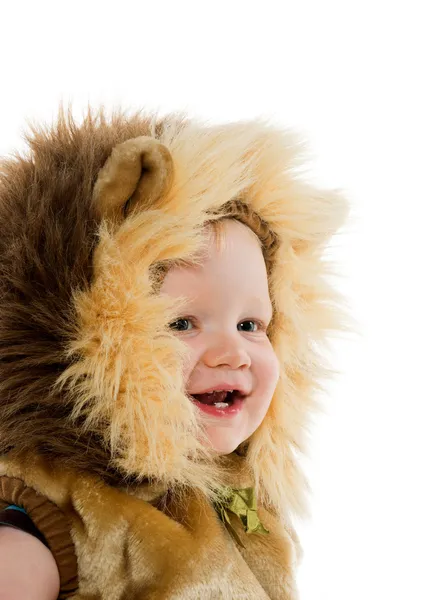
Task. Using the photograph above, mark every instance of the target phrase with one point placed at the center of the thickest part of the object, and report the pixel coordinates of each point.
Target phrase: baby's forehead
(205, 293)
(237, 267)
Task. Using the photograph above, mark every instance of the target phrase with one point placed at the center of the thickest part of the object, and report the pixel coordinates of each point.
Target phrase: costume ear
(136, 174)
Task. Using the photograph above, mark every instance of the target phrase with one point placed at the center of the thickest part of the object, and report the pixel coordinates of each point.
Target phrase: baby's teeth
(220, 404)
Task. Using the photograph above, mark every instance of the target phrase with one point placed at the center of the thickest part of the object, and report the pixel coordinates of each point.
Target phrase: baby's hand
(27, 568)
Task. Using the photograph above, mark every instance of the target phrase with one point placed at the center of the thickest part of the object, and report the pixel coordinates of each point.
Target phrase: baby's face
(227, 311)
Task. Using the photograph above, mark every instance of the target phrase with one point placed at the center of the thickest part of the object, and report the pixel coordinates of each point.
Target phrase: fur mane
(89, 372)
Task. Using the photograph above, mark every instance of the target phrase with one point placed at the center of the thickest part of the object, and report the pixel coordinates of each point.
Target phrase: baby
(162, 296)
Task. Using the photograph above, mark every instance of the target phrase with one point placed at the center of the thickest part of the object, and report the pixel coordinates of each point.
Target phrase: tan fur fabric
(162, 547)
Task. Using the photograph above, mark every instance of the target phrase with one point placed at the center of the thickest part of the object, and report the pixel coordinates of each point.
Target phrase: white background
(353, 77)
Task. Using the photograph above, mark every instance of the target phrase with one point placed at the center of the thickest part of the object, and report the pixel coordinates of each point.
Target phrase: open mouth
(219, 399)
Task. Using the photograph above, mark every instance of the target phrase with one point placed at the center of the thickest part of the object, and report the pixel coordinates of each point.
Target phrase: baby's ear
(137, 174)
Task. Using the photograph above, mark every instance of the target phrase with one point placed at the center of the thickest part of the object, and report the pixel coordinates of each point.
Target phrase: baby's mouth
(219, 399)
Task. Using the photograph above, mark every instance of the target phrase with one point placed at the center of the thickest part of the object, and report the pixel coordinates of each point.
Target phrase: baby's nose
(227, 353)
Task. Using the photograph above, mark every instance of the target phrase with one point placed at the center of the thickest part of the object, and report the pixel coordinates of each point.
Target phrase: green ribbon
(240, 502)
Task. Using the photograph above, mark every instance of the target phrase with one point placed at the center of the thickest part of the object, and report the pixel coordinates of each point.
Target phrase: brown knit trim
(51, 522)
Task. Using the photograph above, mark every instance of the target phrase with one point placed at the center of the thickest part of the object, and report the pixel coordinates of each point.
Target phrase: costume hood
(91, 217)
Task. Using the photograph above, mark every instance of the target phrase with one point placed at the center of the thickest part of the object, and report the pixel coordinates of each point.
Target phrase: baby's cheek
(189, 362)
(271, 368)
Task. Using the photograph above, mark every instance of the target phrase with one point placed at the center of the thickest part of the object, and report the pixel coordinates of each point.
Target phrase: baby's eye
(181, 321)
(257, 323)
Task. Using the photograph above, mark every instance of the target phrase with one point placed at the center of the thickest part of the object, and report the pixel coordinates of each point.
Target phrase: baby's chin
(222, 444)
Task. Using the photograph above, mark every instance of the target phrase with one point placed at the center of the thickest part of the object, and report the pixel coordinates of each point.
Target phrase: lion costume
(99, 442)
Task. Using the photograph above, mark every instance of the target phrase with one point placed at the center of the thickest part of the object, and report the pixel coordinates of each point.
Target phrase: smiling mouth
(219, 399)
(219, 404)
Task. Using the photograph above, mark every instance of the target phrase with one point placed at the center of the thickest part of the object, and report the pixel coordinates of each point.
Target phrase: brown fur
(49, 232)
